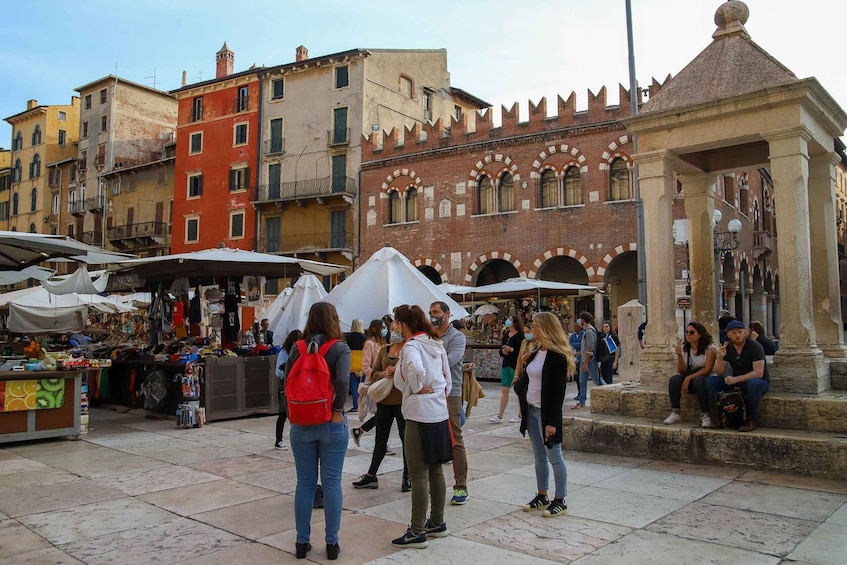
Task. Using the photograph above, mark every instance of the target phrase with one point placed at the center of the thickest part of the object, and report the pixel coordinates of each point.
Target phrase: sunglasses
(691, 332)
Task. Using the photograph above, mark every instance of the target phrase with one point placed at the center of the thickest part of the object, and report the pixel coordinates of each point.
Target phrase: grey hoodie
(422, 362)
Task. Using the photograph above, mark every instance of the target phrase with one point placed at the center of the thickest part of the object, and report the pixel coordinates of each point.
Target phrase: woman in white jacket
(423, 377)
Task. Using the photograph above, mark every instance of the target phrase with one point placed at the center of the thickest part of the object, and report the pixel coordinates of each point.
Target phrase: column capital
(655, 163)
(789, 132)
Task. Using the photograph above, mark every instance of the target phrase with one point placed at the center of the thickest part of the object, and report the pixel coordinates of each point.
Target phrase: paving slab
(449, 550)
(247, 553)
(668, 485)
(49, 555)
(53, 446)
(827, 545)
(280, 480)
(157, 479)
(194, 499)
(794, 481)
(16, 538)
(713, 471)
(782, 501)
(839, 516)
(57, 496)
(231, 467)
(99, 462)
(619, 507)
(255, 519)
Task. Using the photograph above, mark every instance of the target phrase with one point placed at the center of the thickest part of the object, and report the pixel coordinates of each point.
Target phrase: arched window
(394, 209)
(549, 194)
(619, 180)
(573, 187)
(485, 196)
(19, 141)
(15, 201)
(17, 173)
(36, 135)
(505, 194)
(32, 228)
(33, 200)
(411, 205)
(35, 167)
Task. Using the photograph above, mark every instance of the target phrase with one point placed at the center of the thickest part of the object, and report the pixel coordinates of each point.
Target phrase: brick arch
(508, 164)
(397, 173)
(610, 256)
(537, 165)
(561, 251)
(486, 257)
(743, 258)
(612, 152)
(426, 262)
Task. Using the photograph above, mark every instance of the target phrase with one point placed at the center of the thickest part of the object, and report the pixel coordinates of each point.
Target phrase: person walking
(356, 342)
(281, 360)
(454, 343)
(321, 448)
(509, 352)
(543, 394)
(423, 378)
(376, 334)
(588, 363)
(575, 341)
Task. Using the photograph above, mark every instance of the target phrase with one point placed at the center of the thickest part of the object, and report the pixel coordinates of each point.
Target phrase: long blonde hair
(553, 337)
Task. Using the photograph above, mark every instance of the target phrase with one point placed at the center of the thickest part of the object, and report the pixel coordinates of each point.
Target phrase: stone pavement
(141, 491)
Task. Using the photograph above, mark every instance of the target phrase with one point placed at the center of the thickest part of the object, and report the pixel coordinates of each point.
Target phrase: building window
(192, 230)
(63, 137)
(72, 174)
(15, 203)
(239, 134)
(54, 205)
(36, 135)
(116, 187)
(342, 77)
(339, 173)
(33, 200)
(485, 196)
(505, 194)
(197, 109)
(427, 105)
(4, 211)
(87, 101)
(196, 143)
(277, 88)
(573, 187)
(63, 116)
(619, 180)
(84, 129)
(236, 225)
(411, 205)
(103, 96)
(239, 179)
(35, 167)
(457, 113)
(32, 228)
(276, 144)
(549, 193)
(17, 172)
(729, 189)
(339, 126)
(407, 87)
(744, 199)
(394, 209)
(18, 143)
(195, 186)
(104, 123)
(242, 103)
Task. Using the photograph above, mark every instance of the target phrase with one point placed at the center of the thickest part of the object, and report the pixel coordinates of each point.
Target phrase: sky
(501, 51)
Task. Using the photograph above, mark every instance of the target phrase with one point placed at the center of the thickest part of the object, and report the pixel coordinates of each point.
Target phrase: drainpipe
(258, 175)
(358, 207)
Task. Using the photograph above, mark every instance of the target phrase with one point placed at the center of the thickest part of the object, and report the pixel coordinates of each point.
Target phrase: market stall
(36, 405)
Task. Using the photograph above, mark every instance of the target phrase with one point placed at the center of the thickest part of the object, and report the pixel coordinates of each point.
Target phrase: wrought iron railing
(142, 229)
(306, 242)
(309, 188)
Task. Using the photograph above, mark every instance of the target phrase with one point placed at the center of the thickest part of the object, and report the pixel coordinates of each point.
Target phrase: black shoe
(540, 502)
(357, 435)
(406, 486)
(556, 508)
(303, 549)
(366, 481)
(332, 551)
(409, 539)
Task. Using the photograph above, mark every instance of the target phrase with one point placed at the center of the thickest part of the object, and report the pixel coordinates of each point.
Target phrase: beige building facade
(5, 183)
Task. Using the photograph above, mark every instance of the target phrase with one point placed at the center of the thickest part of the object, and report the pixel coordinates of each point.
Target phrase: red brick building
(217, 151)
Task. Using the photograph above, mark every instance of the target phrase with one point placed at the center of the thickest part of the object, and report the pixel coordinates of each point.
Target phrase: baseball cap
(735, 325)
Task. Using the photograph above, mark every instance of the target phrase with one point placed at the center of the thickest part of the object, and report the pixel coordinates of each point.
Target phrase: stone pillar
(630, 316)
(799, 362)
(598, 310)
(699, 193)
(758, 309)
(657, 192)
(745, 304)
(768, 322)
(729, 293)
(826, 291)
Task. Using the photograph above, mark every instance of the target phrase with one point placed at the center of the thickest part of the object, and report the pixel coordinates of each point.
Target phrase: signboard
(683, 302)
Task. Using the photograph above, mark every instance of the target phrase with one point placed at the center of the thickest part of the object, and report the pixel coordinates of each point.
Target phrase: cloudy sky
(502, 51)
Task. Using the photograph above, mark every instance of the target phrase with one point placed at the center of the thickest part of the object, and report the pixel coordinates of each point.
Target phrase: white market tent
(19, 250)
(519, 287)
(386, 280)
(292, 313)
(34, 310)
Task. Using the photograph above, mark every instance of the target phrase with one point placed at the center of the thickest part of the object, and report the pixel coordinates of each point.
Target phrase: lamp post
(723, 241)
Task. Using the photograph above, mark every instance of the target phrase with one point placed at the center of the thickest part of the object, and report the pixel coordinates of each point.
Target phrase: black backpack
(732, 411)
(601, 351)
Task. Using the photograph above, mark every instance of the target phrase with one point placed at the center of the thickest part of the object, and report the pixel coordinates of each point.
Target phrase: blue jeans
(752, 390)
(583, 379)
(324, 445)
(543, 456)
(354, 388)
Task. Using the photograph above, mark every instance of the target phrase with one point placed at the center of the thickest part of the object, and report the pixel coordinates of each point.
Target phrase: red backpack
(308, 385)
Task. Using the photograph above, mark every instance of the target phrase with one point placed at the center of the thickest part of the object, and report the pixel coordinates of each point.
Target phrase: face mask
(396, 337)
(436, 321)
(508, 323)
(383, 332)
(528, 336)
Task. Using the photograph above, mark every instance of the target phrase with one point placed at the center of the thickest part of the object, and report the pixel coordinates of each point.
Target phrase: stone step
(838, 375)
(824, 412)
(817, 454)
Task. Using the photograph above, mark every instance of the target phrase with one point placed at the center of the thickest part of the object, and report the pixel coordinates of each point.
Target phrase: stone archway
(621, 283)
(494, 271)
(472, 275)
(431, 270)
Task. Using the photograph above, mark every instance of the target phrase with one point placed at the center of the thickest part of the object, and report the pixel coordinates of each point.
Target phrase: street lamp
(723, 241)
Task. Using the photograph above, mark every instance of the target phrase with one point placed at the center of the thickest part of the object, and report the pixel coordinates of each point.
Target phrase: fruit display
(31, 395)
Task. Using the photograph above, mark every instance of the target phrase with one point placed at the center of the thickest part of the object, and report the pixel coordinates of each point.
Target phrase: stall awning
(519, 287)
(19, 250)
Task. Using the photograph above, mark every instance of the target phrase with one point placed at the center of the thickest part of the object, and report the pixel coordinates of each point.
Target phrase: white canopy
(456, 289)
(293, 312)
(519, 286)
(36, 310)
(37, 273)
(19, 250)
(79, 282)
(382, 283)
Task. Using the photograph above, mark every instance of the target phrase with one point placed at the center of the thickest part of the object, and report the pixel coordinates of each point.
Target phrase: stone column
(630, 316)
(799, 362)
(826, 291)
(768, 322)
(745, 304)
(657, 192)
(758, 308)
(729, 293)
(598, 310)
(699, 193)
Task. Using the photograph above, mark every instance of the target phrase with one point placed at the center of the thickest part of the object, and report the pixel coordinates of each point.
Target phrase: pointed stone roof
(224, 49)
(731, 65)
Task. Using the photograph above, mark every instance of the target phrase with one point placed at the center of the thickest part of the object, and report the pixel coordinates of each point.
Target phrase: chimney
(225, 62)
(302, 53)
(184, 78)
(30, 104)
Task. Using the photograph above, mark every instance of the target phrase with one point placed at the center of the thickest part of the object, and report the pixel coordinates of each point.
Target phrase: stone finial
(730, 18)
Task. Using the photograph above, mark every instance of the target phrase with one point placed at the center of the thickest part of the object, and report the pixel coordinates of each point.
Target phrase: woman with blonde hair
(543, 395)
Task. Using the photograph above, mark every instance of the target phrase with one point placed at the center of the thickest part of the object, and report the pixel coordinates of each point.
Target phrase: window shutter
(200, 186)
(247, 177)
(231, 180)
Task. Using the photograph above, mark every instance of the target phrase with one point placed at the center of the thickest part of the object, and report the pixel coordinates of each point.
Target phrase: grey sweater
(338, 359)
(454, 343)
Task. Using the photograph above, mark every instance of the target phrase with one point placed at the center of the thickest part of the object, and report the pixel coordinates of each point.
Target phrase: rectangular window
(240, 134)
(277, 89)
(62, 116)
(116, 187)
(427, 105)
(729, 189)
(84, 129)
(87, 101)
(239, 179)
(339, 173)
(63, 137)
(104, 123)
(242, 103)
(274, 181)
(195, 186)
(197, 109)
(192, 229)
(54, 206)
(72, 177)
(236, 225)
(103, 96)
(4, 211)
(196, 143)
(342, 78)
(457, 112)
(272, 231)
(276, 136)
(339, 125)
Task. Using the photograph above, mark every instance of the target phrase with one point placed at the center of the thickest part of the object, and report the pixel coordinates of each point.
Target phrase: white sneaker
(495, 419)
(515, 419)
(281, 446)
(705, 421)
(673, 418)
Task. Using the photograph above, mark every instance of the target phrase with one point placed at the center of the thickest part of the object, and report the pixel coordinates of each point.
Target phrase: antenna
(153, 77)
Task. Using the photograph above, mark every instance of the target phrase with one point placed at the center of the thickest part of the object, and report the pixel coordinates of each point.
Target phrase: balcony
(763, 243)
(94, 238)
(76, 207)
(275, 146)
(95, 203)
(317, 243)
(319, 189)
(141, 234)
(338, 136)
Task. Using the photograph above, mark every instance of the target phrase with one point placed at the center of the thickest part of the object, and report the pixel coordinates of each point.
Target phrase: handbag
(380, 390)
(521, 384)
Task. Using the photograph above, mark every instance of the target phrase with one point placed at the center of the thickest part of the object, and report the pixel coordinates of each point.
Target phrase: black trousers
(283, 415)
(386, 414)
(697, 386)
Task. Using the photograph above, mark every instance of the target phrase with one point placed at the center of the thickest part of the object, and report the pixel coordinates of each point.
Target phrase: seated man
(749, 371)
(78, 339)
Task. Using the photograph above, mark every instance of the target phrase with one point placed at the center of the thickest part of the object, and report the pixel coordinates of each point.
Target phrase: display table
(43, 421)
(487, 360)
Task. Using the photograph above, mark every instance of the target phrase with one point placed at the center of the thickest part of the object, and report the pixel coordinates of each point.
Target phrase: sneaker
(366, 481)
(748, 426)
(406, 486)
(556, 508)
(495, 419)
(538, 503)
(673, 418)
(460, 496)
(281, 446)
(389, 451)
(515, 419)
(353, 410)
(332, 551)
(357, 435)
(418, 541)
(435, 530)
(706, 421)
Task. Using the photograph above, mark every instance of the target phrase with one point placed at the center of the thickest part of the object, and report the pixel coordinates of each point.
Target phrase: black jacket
(554, 376)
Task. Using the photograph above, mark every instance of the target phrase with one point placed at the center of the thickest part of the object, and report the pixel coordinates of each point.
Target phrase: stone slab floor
(136, 490)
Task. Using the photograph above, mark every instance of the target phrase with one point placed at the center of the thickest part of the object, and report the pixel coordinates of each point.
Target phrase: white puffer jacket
(422, 362)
